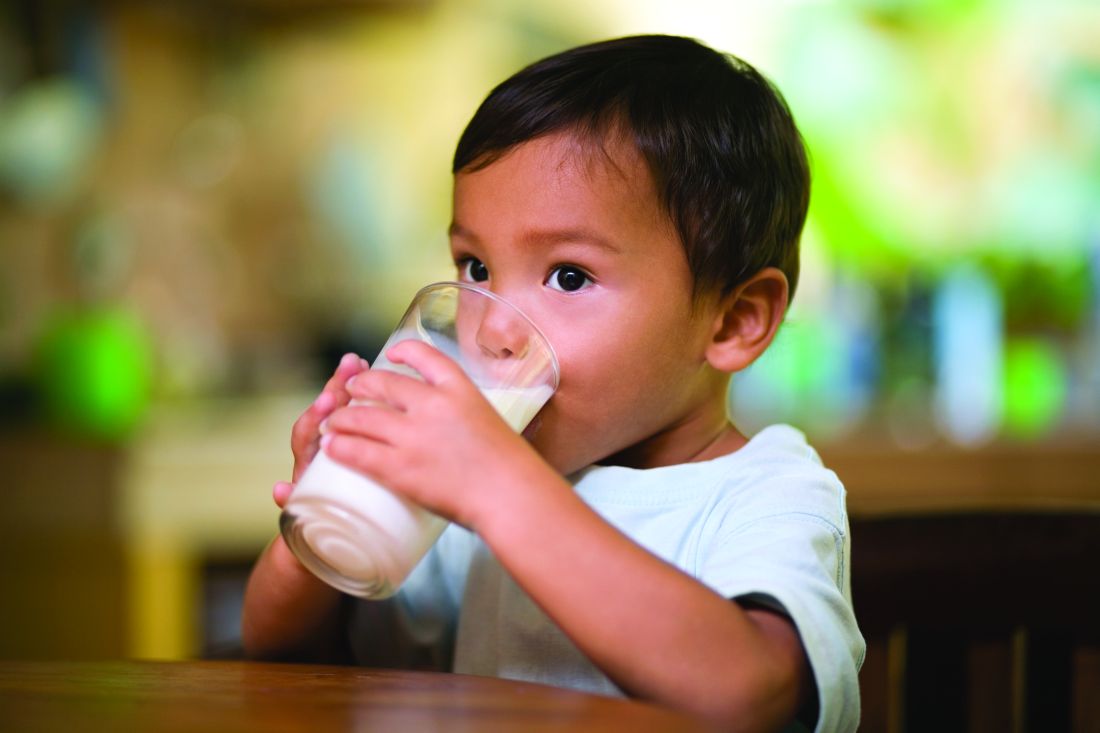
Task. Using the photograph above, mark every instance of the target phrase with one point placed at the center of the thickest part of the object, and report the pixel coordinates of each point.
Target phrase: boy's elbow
(766, 702)
(263, 639)
(255, 645)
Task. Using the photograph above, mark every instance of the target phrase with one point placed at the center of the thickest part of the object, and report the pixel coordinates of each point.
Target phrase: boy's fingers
(349, 366)
(304, 430)
(431, 363)
(359, 453)
(303, 434)
(281, 492)
(374, 421)
(389, 388)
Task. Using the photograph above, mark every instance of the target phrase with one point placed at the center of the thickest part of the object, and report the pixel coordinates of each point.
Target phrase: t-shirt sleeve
(792, 553)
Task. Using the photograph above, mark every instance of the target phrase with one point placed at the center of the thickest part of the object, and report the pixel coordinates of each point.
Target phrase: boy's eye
(473, 269)
(568, 279)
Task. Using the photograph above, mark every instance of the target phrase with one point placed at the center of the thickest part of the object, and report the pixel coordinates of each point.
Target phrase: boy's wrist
(526, 496)
(286, 564)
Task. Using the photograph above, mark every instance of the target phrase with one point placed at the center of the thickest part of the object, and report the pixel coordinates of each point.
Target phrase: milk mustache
(360, 537)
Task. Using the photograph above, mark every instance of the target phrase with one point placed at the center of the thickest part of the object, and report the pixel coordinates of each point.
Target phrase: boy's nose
(502, 334)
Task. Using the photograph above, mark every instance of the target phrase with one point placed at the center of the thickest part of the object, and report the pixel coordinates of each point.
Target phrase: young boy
(641, 200)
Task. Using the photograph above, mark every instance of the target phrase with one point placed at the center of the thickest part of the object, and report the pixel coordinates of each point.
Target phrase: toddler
(641, 200)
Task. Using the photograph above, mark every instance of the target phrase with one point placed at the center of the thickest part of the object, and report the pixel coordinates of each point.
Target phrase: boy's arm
(288, 612)
(660, 634)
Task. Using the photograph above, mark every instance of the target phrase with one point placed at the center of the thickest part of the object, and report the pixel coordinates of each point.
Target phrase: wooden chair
(979, 621)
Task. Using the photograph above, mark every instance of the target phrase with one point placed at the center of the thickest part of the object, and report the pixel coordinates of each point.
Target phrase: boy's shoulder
(775, 471)
(779, 472)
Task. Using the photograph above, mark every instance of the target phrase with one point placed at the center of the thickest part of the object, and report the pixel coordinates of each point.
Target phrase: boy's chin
(561, 456)
(544, 444)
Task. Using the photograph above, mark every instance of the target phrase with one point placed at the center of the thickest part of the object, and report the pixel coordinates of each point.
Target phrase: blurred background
(203, 204)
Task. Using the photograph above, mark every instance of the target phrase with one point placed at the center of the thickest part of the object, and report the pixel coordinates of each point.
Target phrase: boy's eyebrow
(546, 237)
(457, 230)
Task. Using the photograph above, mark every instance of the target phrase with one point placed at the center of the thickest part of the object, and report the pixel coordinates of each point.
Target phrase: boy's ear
(747, 320)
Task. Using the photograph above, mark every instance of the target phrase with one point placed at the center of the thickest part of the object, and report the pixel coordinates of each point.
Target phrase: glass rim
(440, 285)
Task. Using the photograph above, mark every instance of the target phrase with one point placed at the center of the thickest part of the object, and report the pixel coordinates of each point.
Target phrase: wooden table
(247, 696)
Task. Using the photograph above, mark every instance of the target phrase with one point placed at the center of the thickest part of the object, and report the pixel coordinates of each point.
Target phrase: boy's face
(580, 243)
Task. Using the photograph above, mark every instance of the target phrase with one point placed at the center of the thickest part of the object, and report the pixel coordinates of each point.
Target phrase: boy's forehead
(568, 191)
(600, 160)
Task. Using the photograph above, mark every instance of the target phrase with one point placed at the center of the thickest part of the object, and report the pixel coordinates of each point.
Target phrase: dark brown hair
(728, 162)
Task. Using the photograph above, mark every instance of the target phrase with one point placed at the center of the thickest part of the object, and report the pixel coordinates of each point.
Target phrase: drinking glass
(352, 532)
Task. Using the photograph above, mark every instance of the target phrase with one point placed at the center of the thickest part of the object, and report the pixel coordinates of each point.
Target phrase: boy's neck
(700, 438)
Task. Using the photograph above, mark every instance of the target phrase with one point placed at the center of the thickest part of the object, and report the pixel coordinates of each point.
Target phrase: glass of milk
(355, 534)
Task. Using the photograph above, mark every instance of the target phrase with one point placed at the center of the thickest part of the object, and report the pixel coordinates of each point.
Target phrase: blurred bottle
(968, 328)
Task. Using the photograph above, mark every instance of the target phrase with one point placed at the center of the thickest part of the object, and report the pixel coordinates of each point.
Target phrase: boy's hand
(438, 441)
(305, 436)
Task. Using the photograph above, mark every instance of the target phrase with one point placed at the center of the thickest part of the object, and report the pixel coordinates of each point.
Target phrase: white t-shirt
(765, 523)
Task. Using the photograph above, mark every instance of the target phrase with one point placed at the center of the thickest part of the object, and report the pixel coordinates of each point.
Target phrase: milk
(360, 537)
(518, 405)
